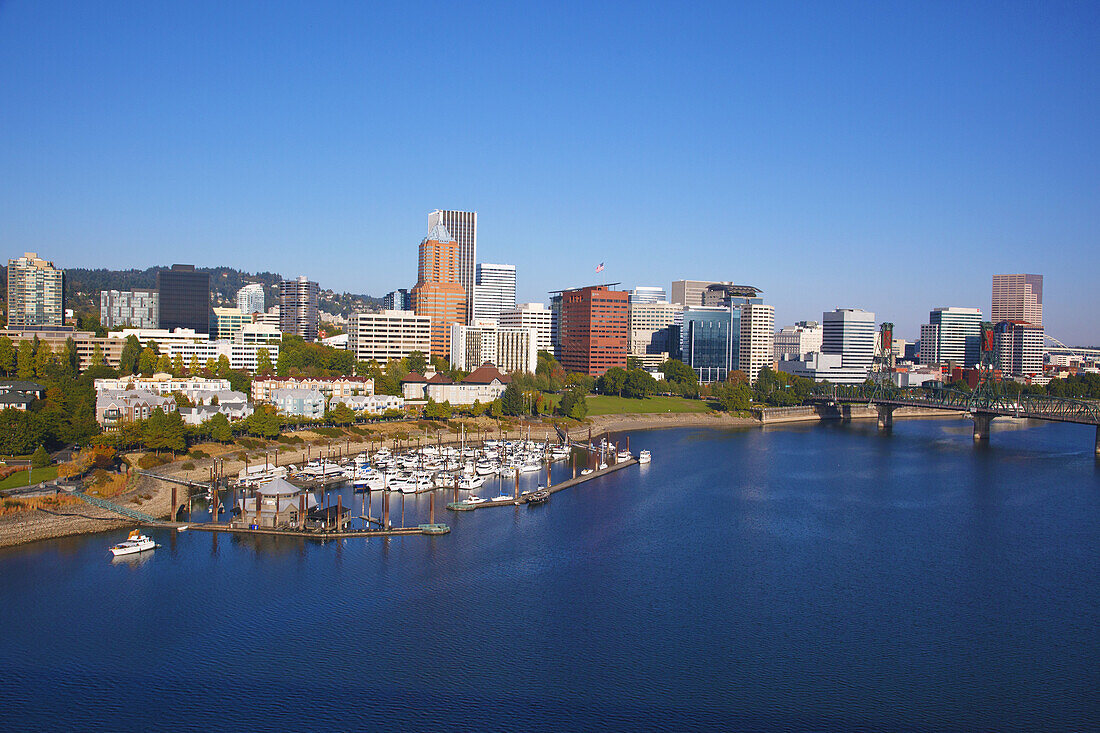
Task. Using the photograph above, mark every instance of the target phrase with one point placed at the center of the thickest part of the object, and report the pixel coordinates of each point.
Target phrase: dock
(422, 529)
(461, 506)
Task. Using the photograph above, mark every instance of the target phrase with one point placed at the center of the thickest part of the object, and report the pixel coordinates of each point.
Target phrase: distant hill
(82, 287)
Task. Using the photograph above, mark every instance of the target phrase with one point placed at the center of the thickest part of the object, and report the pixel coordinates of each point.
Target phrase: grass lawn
(20, 477)
(611, 405)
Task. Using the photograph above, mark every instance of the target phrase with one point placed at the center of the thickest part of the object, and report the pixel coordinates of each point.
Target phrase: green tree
(193, 367)
(632, 363)
(638, 384)
(677, 371)
(147, 362)
(20, 432)
(218, 428)
(42, 361)
(416, 362)
(511, 402)
(176, 432)
(437, 410)
(496, 409)
(129, 359)
(155, 431)
(97, 356)
(223, 367)
(733, 397)
(177, 365)
(612, 381)
(573, 404)
(341, 415)
(164, 364)
(71, 358)
(264, 367)
(7, 356)
(40, 458)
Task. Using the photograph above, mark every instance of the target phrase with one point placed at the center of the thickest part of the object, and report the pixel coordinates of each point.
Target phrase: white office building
(653, 334)
(495, 291)
(532, 315)
(757, 347)
(648, 294)
(847, 349)
(389, 335)
(511, 349)
(250, 299)
(793, 342)
(1019, 349)
(952, 335)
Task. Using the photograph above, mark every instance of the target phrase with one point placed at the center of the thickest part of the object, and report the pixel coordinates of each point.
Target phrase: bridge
(983, 404)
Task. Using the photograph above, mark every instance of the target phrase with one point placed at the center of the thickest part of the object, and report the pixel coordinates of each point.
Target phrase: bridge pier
(846, 413)
(885, 417)
(981, 427)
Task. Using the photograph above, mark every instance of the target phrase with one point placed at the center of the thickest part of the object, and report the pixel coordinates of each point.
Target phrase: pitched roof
(485, 374)
(413, 377)
(440, 378)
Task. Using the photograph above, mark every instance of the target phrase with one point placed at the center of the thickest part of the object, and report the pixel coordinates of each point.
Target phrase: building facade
(594, 329)
(389, 335)
(250, 299)
(397, 300)
(184, 298)
(654, 335)
(308, 403)
(298, 306)
(757, 342)
(689, 293)
(332, 388)
(648, 294)
(532, 315)
(129, 309)
(114, 408)
(512, 349)
(226, 324)
(462, 226)
(793, 342)
(1019, 348)
(495, 292)
(197, 389)
(847, 349)
(439, 294)
(712, 342)
(36, 294)
(952, 335)
(1017, 297)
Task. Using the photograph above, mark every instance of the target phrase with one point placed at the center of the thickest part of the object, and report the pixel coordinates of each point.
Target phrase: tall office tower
(648, 294)
(184, 298)
(593, 329)
(850, 334)
(298, 301)
(250, 299)
(651, 329)
(792, 342)
(532, 315)
(391, 334)
(1018, 298)
(397, 300)
(757, 347)
(712, 341)
(1019, 348)
(129, 308)
(438, 293)
(509, 349)
(555, 325)
(952, 335)
(462, 225)
(495, 291)
(35, 293)
(690, 293)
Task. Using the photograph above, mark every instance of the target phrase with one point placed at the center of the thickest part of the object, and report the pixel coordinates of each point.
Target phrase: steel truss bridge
(983, 404)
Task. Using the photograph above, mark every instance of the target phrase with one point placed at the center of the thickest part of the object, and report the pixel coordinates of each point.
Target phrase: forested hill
(82, 287)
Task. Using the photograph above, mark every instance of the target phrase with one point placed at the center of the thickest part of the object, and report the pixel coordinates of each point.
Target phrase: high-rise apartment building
(391, 334)
(648, 294)
(184, 298)
(793, 342)
(509, 349)
(298, 306)
(757, 344)
(532, 315)
(250, 299)
(1018, 298)
(438, 293)
(1019, 348)
(397, 300)
(462, 226)
(35, 293)
(653, 332)
(495, 291)
(129, 309)
(952, 335)
(594, 329)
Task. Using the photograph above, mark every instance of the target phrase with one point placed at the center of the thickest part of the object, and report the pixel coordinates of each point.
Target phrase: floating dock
(423, 529)
(462, 506)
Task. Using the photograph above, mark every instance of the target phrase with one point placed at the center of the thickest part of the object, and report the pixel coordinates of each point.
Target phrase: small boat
(529, 467)
(586, 471)
(603, 466)
(475, 499)
(623, 455)
(504, 497)
(539, 496)
(133, 544)
(644, 456)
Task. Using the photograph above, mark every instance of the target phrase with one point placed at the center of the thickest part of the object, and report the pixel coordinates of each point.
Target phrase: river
(822, 577)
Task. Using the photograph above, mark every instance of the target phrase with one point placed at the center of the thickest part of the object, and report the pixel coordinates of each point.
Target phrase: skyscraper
(850, 333)
(438, 294)
(250, 299)
(593, 329)
(462, 225)
(397, 300)
(129, 308)
(952, 334)
(298, 302)
(184, 298)
(35, 293)
(495, 291)
(1018, 348)
(1018, 298)
(757, 346)
(532, 315)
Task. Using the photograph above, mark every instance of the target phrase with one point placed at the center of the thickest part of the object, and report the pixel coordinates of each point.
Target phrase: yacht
(469, 483)
(623, 455)
(603, 466)
(314, 470)
(644, 456)
(133, 544)
(529, 467)
(585, 471)
(260, 475)
(504, 497)
(475, 499)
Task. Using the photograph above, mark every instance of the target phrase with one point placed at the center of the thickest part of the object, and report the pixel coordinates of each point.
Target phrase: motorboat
(644, 456)
(603, 466)
(468, 483)
(623, 455)
(133, 544)
(260, 475)
(504, 497)
(475, 499)
(529, 467)
(585, 471)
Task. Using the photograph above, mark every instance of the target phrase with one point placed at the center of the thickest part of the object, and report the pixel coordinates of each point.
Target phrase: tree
(341, 415)
(496, 409)
(20, 432)
(573, 404)
(638, 384)
(264, 367)
(632, 363)
(733, 397)
(97, 356)
(7, 356)
(40, 458)
(416, 361)
(130, 357)
(677, 371)
(437, 410)
(264, 422)
(193, 366)
(71, 358)
(612, 381)
(511, 402)
(218, 428)
(25, 360)
(223, 367)
(155, 431)
(164, 364)
(182, 400)
(147, 362)
(42, 359)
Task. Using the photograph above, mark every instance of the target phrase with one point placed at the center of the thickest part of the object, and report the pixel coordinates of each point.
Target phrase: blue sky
(879, 155)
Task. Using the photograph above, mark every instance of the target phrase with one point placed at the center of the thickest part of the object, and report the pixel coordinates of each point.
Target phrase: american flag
(599, 267)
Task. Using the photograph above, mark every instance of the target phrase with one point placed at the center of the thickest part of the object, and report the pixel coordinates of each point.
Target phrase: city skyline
(892, 171)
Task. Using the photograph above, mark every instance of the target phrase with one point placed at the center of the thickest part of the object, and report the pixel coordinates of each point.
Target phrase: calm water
(821, 577)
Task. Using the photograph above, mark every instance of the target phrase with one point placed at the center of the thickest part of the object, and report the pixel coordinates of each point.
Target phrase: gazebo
(277, 503)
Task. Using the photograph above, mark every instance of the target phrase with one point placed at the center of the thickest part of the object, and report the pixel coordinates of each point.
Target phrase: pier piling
(981, 427)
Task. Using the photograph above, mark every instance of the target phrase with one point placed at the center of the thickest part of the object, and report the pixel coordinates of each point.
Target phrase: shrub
(198, 455)
(188, 466)
(151, 460)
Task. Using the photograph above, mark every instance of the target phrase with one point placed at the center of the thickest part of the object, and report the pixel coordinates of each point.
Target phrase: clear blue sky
(877, 155)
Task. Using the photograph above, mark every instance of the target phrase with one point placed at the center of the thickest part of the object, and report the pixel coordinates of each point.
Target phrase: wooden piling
(339, 509)
(174, 507)
(431, 508)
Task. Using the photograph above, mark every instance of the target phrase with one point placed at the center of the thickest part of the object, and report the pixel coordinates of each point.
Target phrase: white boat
(507, 470)
(623, 455)
(504, 497)
(603, 466)
(260, 475)
(586, 471)
(469, 483)
(133, 544)
(475, 499)
(325, 470)
(529, 467)
(644, 456)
